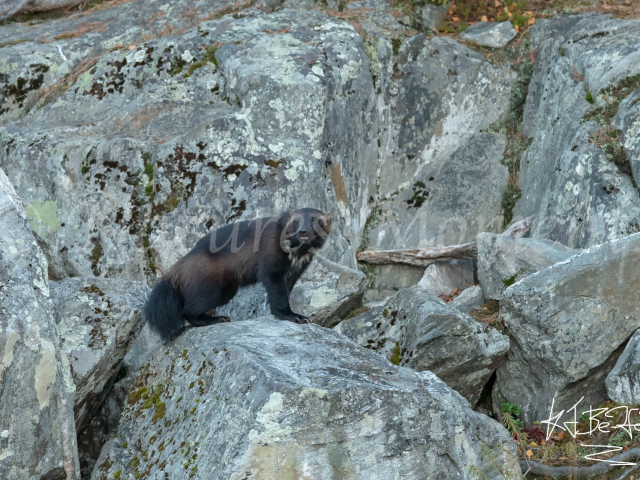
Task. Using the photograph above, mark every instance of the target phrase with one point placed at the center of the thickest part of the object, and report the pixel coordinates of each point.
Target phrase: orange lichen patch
(523, 13)
(276, 32)
(354, 17)
(104, 6)
(216, 14)
(82, 29)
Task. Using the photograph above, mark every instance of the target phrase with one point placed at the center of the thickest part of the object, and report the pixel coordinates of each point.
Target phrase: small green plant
(395, 355)
(511, 418)
(588, 97)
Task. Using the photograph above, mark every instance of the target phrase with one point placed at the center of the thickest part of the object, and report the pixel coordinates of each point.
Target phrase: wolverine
(273, 251)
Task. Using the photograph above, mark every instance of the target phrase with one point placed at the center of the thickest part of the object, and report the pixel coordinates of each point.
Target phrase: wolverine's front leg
(279, 299)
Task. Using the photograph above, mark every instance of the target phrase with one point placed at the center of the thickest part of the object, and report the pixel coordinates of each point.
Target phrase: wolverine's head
(306, 229)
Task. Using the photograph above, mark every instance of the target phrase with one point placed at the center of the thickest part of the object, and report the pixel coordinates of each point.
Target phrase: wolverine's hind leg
(205, 320)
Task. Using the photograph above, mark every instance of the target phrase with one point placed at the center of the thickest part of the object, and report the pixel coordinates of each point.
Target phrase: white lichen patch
(350, 71)
(323, 296)
(268, 417)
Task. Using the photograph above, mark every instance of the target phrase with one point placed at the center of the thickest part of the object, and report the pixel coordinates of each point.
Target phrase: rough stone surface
(301, 400)
(37, 431)
(133, 163)
(469, 299)
(443, 277)
(432, 15)
(385, 280)
(98, 319)
(503, 261)
(418, 330)
(627, 121)
(325, 293)
(441, 177)
(567, 324)
(623, 382)
(490, 34)
(579, 196)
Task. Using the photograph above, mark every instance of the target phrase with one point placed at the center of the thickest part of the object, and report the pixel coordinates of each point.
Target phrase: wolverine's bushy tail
(163, 310)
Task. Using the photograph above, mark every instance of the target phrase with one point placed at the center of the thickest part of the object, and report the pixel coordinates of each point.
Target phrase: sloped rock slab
(623, 382)
(579, 195)
(417, 330)
(627, 120)
(567, 324)
(442, 278)
(265, 399)
(37, 432)
(97, 318)
(469, 299)
(441, 177)
(503, 261)
(490, 34)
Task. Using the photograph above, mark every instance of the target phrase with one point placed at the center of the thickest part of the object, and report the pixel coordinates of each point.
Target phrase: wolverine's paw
(225, 319)
(301, 319)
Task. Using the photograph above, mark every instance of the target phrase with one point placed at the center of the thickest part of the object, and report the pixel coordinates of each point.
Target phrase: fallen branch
(423, 257)
(420, 257)
(574, 472)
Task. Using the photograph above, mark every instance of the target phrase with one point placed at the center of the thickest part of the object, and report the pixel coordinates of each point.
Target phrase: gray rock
(579, 196)
(490, 34)
(503, 261)
(418, 330)
(623, 382)
(385, 280)
(469, 299)
(147, 160)
(303, 395)
(627, 121)
(324, 293)
(447, 201)
(442, 278)
(36, 57)
(432, 15)
(37, 431)
(440, 175)
(97, 319)
(567, 324)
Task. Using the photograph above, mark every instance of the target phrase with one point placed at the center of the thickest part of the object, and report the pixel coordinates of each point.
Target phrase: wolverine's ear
(325, 222)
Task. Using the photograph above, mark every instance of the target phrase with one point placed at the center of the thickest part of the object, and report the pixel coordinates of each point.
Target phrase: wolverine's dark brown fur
(274, 251)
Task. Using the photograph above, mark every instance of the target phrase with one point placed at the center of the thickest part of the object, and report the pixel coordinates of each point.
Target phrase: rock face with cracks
(490, 34)
(575, 175)
(286, 401)
(568, 324)
(151, 147)
(623, 383)
(37, 431)
(417, 330)
(441, 177)
(97, 318)
(502, 260)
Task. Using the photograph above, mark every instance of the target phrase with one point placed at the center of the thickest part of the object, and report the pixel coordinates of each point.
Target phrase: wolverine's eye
(294, 224)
